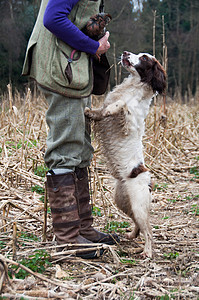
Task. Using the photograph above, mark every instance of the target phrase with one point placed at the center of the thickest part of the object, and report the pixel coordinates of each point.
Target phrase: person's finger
(107, 34)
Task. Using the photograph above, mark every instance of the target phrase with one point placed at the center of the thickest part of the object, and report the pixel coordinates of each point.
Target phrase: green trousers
(68, 141)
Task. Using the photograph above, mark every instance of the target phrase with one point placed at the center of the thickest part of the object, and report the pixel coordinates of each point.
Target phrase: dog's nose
(126, 53)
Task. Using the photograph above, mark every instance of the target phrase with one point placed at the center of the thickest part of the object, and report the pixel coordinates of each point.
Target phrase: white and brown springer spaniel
(119, 125)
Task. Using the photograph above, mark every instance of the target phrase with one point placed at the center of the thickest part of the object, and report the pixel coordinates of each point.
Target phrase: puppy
(119, 125)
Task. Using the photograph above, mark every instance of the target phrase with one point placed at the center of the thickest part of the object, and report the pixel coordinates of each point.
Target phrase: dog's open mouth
(126, 62)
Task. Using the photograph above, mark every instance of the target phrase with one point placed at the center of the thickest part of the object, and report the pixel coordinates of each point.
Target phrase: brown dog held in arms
(119, 125)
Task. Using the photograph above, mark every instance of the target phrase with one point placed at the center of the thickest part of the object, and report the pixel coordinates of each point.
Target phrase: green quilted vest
(54, 64)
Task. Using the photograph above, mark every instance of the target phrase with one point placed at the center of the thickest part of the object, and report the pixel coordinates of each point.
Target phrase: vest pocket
(70, 68)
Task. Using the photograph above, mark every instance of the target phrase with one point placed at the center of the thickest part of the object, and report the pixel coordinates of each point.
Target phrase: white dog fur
(119, 125)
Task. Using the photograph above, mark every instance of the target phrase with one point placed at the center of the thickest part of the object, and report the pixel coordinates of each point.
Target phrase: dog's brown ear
(158, 81)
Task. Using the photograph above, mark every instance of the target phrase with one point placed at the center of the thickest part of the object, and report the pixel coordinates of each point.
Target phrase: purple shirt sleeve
(56, 21)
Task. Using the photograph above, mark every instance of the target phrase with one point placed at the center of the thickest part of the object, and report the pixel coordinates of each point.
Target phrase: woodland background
(175, 24)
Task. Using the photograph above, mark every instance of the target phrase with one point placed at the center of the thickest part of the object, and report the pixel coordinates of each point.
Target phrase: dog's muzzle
(125, 59)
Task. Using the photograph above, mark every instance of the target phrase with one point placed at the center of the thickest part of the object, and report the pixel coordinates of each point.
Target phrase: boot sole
(90, 255)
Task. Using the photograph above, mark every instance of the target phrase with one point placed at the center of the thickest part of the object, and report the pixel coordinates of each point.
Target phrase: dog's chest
(137, 113)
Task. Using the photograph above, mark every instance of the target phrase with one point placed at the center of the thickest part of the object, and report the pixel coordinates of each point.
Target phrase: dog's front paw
(93, 114)
(87, 112)
(106, 113)
(114, 108)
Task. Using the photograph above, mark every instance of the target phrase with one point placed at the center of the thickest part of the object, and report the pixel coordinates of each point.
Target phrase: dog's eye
(144, 57)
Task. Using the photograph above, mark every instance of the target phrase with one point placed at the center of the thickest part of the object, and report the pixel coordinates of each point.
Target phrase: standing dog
(119, 125)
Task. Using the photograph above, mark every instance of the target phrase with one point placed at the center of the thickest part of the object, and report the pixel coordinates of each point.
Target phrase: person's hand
(104, 44)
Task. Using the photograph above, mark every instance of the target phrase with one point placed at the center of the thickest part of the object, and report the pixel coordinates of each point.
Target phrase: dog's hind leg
(122, 200)
(140, 199)
(133, 234)
(134, 200)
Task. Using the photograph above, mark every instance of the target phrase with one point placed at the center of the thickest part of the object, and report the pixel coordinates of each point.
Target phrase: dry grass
(172, 154)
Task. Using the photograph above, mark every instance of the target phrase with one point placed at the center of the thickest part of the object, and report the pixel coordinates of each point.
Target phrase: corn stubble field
(30, 268)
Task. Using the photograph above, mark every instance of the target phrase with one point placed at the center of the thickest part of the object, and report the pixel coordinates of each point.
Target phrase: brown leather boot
(85, 212)
(61, 190)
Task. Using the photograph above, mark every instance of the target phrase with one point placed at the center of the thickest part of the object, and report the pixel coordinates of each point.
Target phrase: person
(58, 57)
